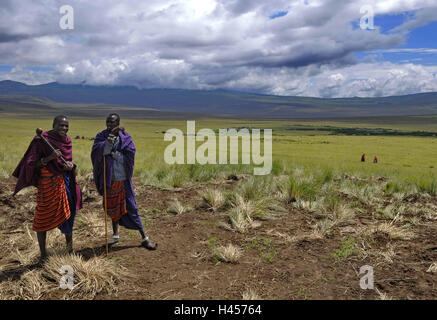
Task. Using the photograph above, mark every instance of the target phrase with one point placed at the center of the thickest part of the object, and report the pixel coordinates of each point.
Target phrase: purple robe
(28, 174)
(131, 220)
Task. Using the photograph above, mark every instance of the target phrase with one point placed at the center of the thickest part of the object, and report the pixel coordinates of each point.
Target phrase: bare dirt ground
(280, 258)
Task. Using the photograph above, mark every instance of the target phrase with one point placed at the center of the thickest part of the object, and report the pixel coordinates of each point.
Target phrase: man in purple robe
(119, 150)
(58, 195)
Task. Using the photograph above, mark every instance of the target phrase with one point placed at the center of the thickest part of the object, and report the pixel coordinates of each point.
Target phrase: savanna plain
(301, 232)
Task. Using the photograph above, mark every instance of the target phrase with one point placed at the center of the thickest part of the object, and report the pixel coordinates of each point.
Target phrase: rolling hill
(76, 98)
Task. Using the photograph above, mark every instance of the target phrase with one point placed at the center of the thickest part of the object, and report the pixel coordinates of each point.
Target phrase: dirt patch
(281, 258)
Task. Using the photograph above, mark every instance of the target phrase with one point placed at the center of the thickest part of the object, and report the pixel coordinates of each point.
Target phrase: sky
(316, 48)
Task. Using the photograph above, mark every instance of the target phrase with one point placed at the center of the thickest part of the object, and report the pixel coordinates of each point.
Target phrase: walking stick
(106, 208)
(104, 194)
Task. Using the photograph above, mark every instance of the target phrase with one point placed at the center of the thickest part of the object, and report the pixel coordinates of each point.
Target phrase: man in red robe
(58, 195)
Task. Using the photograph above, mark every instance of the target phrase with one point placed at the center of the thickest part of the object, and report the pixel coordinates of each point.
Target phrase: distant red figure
(83, 138)
(363, 157)
(375, 160)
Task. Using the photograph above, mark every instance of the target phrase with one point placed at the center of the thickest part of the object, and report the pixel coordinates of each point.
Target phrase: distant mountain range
(219, 102)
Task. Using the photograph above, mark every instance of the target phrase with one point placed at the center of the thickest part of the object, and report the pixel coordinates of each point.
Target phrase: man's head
(60, 125)
(112, 121)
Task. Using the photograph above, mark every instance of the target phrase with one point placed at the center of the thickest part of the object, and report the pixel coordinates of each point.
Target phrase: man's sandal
(114, 240)
(149, 244)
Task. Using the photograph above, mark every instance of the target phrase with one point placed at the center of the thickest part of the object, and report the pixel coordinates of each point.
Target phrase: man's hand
(68, 166)
(111, 138)
(116, 130)
(55, 155)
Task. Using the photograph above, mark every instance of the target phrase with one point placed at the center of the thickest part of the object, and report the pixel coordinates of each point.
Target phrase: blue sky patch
(40, 69)
(418, 38)
(278, 14)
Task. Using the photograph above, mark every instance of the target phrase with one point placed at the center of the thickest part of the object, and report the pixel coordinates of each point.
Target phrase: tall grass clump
(239, 221)
(259, 193)
(368, 193)
(429, 187)
(392, 187)
(213, 199)
(253, 198)
(301, 186)
(278, 167)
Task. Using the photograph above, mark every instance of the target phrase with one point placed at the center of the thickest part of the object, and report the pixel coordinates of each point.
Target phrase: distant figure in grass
(118, 148)
(375, 160)
(363, 157)
(58, 196)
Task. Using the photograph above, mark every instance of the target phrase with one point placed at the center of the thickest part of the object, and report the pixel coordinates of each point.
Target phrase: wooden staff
(39, 134)
(104, 192)
(106, 208)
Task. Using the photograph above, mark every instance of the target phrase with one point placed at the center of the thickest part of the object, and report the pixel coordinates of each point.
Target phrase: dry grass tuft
(382, 295)
(431, 212)
(239, 221)
(285, 238)
(322, 229)
(392, 231)
(229, 253)
(31, 286)
(388, 254)
(383, 256)
(432, 268)
(89, 224)
(91, 277)
(213, 199)
(27, 192)
(177, 208)
(23, 247)
(246, 206)
(250, 294)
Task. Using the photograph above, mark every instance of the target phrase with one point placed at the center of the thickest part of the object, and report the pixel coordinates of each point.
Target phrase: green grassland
(402, 158)
(319, 204)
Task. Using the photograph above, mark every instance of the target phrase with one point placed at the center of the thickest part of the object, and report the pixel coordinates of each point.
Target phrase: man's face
(112, 122)
(61, 127)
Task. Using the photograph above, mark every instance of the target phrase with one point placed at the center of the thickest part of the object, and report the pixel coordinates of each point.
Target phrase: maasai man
(118, 149)
(58, 196)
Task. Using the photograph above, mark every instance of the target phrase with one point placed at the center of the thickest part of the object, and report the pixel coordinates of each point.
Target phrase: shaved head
(61, 117)
(114, 115)
(60, 125)
(112, 121)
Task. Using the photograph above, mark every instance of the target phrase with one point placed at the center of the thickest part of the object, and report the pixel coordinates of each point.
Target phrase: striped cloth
(116, 201)
(52, 208)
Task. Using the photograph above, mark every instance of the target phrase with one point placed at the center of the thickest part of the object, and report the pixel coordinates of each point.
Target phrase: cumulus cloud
(420, 18)
(208, 44)
(28, 76)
